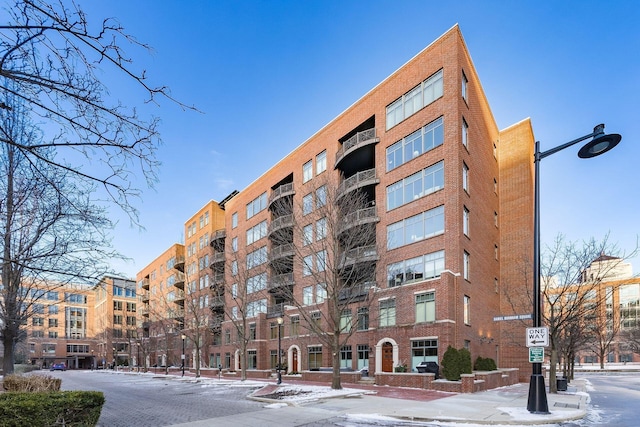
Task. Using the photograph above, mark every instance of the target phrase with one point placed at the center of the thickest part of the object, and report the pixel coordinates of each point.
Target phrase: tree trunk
(553, 362)
(335, 380)
(7, 362)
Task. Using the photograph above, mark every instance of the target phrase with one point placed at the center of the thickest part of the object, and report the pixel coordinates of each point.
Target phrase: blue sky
(266, 75)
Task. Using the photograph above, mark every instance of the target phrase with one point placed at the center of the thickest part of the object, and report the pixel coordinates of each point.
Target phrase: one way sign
(538, 337)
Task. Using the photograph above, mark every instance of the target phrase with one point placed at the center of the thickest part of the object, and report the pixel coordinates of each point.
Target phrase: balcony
(179, 264)
(218, 257)
(178, 280)
(354, 293)
(217, 304)
(357, 141)
(144, 297)
(218, 237)
(144, 311)
(178, 313)
(280, 282)
(217, 280)
(215, 324)
(276, 310)
(280, 252)
(359, 255)
(280, 192)
(179, 297)
(145, 283)
(359, 217)
(359, 180)
(285, 221)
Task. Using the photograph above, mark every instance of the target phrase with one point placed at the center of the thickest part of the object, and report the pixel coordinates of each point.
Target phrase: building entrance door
(294, 360)
(387, 357)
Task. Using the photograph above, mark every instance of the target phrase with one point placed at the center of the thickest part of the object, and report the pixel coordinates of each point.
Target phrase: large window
(307, 171)
(465, 177)
(257, 257)
(387, 312)
(418, 97)
(418, 227)
(465, 134)
(346, 357)
(321, 162)
(363, 355)
(257, 283)
(256, 307)
(315, 356)
(321, 196)
(307, 204)
(465, 221)
(630, 305)
(423, 351)
(419, 142)
(363, 319)
(345, 320)
(466, 307)
(426, 307)
(415, 186)
(464, 88)
(257, 232)
(415, 269)
(466, 264)
(256, 205)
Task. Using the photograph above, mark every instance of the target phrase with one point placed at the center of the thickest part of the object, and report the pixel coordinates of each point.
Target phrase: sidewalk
(506, 405)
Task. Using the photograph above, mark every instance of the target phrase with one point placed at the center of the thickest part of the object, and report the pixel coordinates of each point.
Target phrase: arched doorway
(387, 357)
(294, 360)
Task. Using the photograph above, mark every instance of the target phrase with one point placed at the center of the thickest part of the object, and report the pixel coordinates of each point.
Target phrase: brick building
(448, 198)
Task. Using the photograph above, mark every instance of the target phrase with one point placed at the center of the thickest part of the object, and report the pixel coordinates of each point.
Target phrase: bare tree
(245, 294)
(334, 239)
(53, 224)
(571, 291)
(602, 327)
(197, 312)
(57, 64)
(52, 233)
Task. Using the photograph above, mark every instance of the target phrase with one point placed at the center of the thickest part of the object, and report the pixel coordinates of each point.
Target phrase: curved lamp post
(280, 320)
(600, 144)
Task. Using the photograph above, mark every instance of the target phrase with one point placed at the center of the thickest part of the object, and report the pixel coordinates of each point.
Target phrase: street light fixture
(138, 357)
(600, 144)
(280, 320)
(183, 338)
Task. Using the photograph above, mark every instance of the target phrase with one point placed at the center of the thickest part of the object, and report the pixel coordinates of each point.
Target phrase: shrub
(482, 364)
(450, 364)
(31, 383)
(455, 363)
(67, 408)
(464, 358)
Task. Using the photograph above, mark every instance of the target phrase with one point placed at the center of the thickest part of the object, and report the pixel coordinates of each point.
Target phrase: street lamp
(138, 357)
(115, 359)
(280, 320)
(600, 144)
(183, 338)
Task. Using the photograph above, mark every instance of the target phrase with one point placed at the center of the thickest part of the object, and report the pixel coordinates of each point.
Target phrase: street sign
(538, 337)
(536, 354)
(512, 317)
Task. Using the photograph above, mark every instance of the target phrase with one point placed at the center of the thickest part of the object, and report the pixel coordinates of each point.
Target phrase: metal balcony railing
(361, 216)
(282, 191)
(360, 179)
(358, 140)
